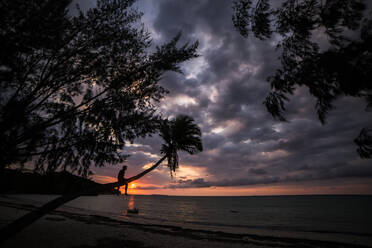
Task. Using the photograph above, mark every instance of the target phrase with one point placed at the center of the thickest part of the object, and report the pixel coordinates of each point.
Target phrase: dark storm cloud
(201, 183)
(224, 89)
(339, 171)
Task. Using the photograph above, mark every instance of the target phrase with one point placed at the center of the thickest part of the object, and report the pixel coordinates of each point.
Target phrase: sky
(246, 151)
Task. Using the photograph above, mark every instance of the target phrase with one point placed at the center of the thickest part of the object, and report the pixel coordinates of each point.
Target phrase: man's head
(125, 167)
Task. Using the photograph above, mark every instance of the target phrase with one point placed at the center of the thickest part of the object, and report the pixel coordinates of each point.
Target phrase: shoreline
(66, 229)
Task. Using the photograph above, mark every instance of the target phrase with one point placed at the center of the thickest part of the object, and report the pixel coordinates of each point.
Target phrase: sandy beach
(66, 229)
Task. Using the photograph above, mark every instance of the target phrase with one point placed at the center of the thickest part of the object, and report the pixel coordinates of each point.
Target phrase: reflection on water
(131, 202)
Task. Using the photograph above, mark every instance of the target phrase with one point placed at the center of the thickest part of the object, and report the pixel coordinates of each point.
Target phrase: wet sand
(65, 229)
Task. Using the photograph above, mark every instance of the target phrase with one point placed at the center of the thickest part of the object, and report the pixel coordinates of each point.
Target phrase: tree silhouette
(180, 134)
(73, 89)
(342, 66)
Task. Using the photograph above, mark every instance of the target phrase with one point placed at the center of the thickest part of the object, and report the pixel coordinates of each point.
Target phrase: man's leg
(126, 188)
(120, 182)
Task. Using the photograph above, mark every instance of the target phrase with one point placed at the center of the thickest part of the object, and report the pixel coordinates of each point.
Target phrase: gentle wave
(266, 227)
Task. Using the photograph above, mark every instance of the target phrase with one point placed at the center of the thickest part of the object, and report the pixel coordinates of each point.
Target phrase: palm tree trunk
(138, 176)
(18, 225)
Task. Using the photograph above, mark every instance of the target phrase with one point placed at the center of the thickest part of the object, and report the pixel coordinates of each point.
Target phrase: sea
(322, 216)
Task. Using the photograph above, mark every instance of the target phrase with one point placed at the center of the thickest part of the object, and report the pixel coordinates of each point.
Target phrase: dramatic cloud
(223, 91)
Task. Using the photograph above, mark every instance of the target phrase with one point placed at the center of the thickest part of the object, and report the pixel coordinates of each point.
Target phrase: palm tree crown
(180, 134)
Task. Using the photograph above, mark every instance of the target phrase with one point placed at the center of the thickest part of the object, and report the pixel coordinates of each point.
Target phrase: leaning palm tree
(179, 134)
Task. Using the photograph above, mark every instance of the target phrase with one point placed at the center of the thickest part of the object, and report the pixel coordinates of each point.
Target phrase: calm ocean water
(342, 215)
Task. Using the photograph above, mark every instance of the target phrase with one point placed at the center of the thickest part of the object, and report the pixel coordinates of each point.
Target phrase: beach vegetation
(325, 46)
(76, 88)
(76, 85)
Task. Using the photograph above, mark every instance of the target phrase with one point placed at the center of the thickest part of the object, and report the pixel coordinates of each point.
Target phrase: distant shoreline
(369, 195)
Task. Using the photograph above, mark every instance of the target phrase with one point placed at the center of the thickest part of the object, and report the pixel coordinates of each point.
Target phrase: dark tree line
(342, 66)
(74, 88)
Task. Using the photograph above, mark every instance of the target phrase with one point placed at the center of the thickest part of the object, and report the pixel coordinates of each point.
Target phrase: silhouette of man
(121, 178)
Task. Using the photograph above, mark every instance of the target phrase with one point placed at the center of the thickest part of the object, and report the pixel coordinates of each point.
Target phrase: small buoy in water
(132, 211)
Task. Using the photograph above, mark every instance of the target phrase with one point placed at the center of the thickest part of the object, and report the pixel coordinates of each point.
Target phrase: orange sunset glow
(144, 186)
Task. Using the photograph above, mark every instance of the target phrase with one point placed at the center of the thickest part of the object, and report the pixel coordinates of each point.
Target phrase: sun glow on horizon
(332, 186)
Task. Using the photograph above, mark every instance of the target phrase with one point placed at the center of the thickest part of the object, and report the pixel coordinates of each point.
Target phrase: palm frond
(180, 134)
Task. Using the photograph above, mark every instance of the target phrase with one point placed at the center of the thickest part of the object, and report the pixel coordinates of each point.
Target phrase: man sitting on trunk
(121, 178)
